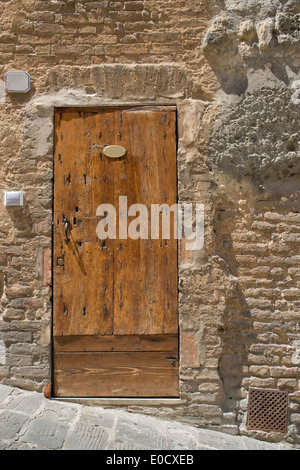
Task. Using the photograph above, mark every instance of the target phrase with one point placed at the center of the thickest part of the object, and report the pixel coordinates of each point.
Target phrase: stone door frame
(144, 85)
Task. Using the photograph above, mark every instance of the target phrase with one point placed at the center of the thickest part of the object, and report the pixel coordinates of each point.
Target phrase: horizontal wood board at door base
(116, 343)
(122, 374)
(114, 299)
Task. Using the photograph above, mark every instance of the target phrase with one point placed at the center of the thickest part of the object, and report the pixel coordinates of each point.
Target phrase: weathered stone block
(46, 434)
(10, 423)
(86, 437)
(190, 350)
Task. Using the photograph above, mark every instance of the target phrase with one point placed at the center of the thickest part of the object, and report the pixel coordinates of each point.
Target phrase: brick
(278, 371)
(30, 302)
(32, 40)
(16, 291)
(38, 372)
(189, 350)
(282, 217)
(19, 361)
(87, 30)
(106, 39)
(49, 6)
(6, 57)
(17, 336)
(7, 47)
(6, 37)
(126, 16)
(49, 28)
(24, 49)
(287, 384)
(102, 5)
(133, 49)
(258, 225)
(66, 50)
(262, 371)
(115, 6)
(45, 50)
(134, 5)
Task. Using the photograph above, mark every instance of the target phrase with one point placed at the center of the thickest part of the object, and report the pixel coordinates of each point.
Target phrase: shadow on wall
(221, 51)
(237, 335)
(22, 222)
(233, 44)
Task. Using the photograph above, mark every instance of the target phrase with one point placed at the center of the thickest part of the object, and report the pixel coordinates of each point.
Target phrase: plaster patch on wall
(258, 140)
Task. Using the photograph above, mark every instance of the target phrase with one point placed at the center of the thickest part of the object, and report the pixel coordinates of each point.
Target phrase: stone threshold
(123, 401)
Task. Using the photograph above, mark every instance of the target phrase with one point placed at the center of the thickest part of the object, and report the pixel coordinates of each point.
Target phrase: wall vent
(268, 410)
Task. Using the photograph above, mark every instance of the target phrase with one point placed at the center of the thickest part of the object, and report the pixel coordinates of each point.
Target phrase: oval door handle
(67, 225)
(114, 151)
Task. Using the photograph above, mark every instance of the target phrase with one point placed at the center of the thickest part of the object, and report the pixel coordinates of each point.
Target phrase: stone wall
(232, 69)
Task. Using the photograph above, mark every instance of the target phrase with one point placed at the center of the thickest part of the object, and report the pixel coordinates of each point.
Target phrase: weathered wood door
(115, 321)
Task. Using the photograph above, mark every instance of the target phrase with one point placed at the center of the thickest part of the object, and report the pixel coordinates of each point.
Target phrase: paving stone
(125, 446)
(11, 423)
(86, 437)
(97, 416)
(4, 392)
(180, 439)
(59, 412)
(253, 444)
(218, 440)
(45, 433)
(27, 403)
(18, 445)
(3, 445)
(134, 433)
(68, 426)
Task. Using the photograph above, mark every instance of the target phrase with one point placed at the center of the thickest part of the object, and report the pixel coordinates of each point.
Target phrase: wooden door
(115, 321)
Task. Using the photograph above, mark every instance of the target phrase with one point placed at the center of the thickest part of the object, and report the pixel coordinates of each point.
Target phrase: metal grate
(267, 410)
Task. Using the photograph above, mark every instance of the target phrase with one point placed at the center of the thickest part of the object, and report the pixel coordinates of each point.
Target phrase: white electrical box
(17, 82)
(14, 198)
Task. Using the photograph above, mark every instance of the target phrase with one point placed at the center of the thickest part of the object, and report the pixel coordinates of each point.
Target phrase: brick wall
(232, 70)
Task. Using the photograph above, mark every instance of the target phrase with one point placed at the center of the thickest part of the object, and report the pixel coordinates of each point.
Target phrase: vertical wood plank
(83, 287)
(145, 287)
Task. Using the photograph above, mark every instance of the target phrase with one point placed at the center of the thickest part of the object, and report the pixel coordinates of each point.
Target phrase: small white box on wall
(17, 82)
(14, 198)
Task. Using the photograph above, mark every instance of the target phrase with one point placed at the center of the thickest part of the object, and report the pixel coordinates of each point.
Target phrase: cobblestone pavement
(29, 421)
